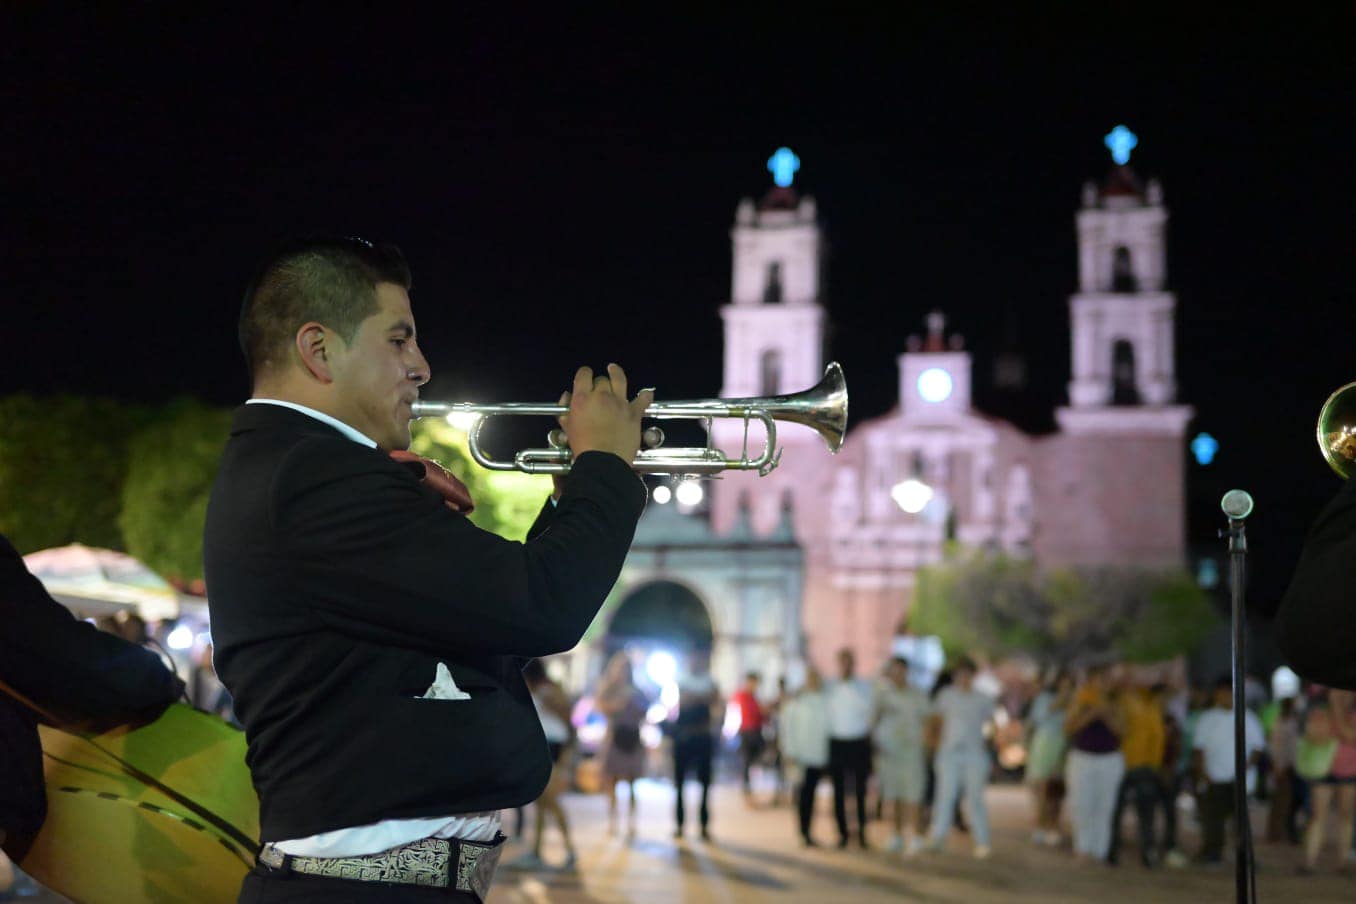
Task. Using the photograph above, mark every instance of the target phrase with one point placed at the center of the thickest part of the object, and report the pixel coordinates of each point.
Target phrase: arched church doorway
(661, 613)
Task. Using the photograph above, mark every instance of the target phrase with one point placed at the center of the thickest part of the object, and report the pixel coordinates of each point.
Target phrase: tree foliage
(62, 465)
(507, 502)
(169, 479)
(999, 606)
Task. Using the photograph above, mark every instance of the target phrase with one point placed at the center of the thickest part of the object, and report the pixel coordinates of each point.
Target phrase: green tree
(169, 479)
(999, 606)
(62, 465)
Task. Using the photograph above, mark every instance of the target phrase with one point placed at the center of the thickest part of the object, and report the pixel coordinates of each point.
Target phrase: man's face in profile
(378, 375)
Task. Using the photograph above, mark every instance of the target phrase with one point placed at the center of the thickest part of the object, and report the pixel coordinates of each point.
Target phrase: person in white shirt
(849, 702)
(900, 712)
(804, 739)
(962, 760)
(1213, 765)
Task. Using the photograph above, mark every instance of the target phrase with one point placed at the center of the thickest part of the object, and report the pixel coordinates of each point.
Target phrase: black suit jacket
(1316, 623)
(84, 678)
(337, 584)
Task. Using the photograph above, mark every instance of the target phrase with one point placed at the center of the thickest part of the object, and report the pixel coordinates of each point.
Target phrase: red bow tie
(432, 474)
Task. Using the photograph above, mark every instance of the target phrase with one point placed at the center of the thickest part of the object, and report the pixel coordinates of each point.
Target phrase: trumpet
(823, 407)
(1337, 430)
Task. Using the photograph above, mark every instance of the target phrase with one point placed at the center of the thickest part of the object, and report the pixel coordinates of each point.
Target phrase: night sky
(564, 188)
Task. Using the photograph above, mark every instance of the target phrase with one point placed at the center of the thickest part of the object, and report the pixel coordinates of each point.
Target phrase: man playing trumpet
(371, 636)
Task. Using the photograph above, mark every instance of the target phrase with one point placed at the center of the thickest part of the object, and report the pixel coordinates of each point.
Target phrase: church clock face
(934, 385)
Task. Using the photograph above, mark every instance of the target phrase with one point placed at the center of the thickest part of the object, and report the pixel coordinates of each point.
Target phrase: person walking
(553, 708)
(900, 713)
(1283, 745)
(1143, 747)
(804, 740)
(623, 755)
(694, 740)
(751, 721)
(849, 701)
(1326, 756)
(1213, 766)
(1095, 765)
(1045, 757)
(962, 760)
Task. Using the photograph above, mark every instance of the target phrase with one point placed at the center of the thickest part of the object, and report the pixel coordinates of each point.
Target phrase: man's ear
(316, 345)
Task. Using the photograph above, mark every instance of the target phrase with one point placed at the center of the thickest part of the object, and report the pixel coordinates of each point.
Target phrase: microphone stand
(1243, 864)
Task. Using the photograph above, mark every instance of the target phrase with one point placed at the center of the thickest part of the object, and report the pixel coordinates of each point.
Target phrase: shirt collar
(321, 416)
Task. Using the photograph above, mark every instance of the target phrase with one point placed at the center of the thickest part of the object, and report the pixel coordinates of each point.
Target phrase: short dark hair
(327, 279)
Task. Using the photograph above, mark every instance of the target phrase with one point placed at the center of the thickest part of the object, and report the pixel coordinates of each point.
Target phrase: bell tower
(774, 324)
(1122, 316)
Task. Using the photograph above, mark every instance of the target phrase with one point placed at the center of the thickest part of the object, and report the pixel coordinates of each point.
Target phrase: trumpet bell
(1337, 431)
(823, 407)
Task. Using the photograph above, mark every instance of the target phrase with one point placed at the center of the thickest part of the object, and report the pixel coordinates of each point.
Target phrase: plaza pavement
(755, 856)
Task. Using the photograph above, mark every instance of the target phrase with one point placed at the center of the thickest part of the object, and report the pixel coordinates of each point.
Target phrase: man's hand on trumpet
(600, 418)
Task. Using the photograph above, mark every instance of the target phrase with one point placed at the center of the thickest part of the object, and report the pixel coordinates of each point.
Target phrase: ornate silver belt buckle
(476, 863)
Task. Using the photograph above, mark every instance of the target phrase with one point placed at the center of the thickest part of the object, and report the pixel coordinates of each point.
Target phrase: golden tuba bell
(823, 408)
(1337, 430)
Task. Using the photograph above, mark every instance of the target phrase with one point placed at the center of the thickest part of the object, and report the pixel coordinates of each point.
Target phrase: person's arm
(398, 567)
(82, 676)
(1314, 627)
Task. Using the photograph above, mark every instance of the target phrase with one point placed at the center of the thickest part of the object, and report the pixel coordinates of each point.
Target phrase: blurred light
(662, 495)
(689, 492)
(668, 694)
(1204, 447)
(181, 638)
(662, 667)
(911, 495)
(1207, 574)
(1120, 141)
(657, 712)
(733, 718)
(204, 638)
(463, 420)
(1284, 683)
(783, 165)
(987, 683)
(934, 385)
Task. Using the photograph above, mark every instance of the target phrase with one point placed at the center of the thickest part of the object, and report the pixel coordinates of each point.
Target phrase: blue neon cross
(783, 165)
(1120, 141)
(1204, 447)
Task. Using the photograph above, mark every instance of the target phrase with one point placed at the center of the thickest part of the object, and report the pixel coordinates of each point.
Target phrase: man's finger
(618, 378)
(583, 380)
(564, 400)
(644, 399)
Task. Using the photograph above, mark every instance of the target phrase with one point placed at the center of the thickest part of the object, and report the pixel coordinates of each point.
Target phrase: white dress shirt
(387, 833)
(850, 708)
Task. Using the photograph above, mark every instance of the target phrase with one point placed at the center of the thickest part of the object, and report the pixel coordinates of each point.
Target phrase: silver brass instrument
(1337, 430)
(823, 408)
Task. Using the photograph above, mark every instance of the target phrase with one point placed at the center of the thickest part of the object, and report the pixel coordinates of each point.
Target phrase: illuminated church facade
(823, 553)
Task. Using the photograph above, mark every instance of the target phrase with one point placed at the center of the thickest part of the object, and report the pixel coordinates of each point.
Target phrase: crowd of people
(1099, 746)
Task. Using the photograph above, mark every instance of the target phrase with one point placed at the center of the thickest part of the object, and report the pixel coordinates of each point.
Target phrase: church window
(1122, 273)
(1124, 386)
(770, 372)
(772, 291)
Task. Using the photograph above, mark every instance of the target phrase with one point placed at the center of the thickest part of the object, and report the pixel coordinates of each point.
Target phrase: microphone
(1237, 504)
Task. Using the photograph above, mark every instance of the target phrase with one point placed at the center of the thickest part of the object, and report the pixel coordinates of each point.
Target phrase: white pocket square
(444, 688)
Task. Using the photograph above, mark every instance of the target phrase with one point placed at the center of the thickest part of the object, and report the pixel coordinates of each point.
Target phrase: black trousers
(750, 749)
(266, 886)
(805, 804)
(1145, 789)
(692, 754)
(849, 758)
(1217, 805)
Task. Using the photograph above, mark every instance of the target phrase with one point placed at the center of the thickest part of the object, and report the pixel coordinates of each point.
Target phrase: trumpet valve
(651, 438)
(557, 439)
